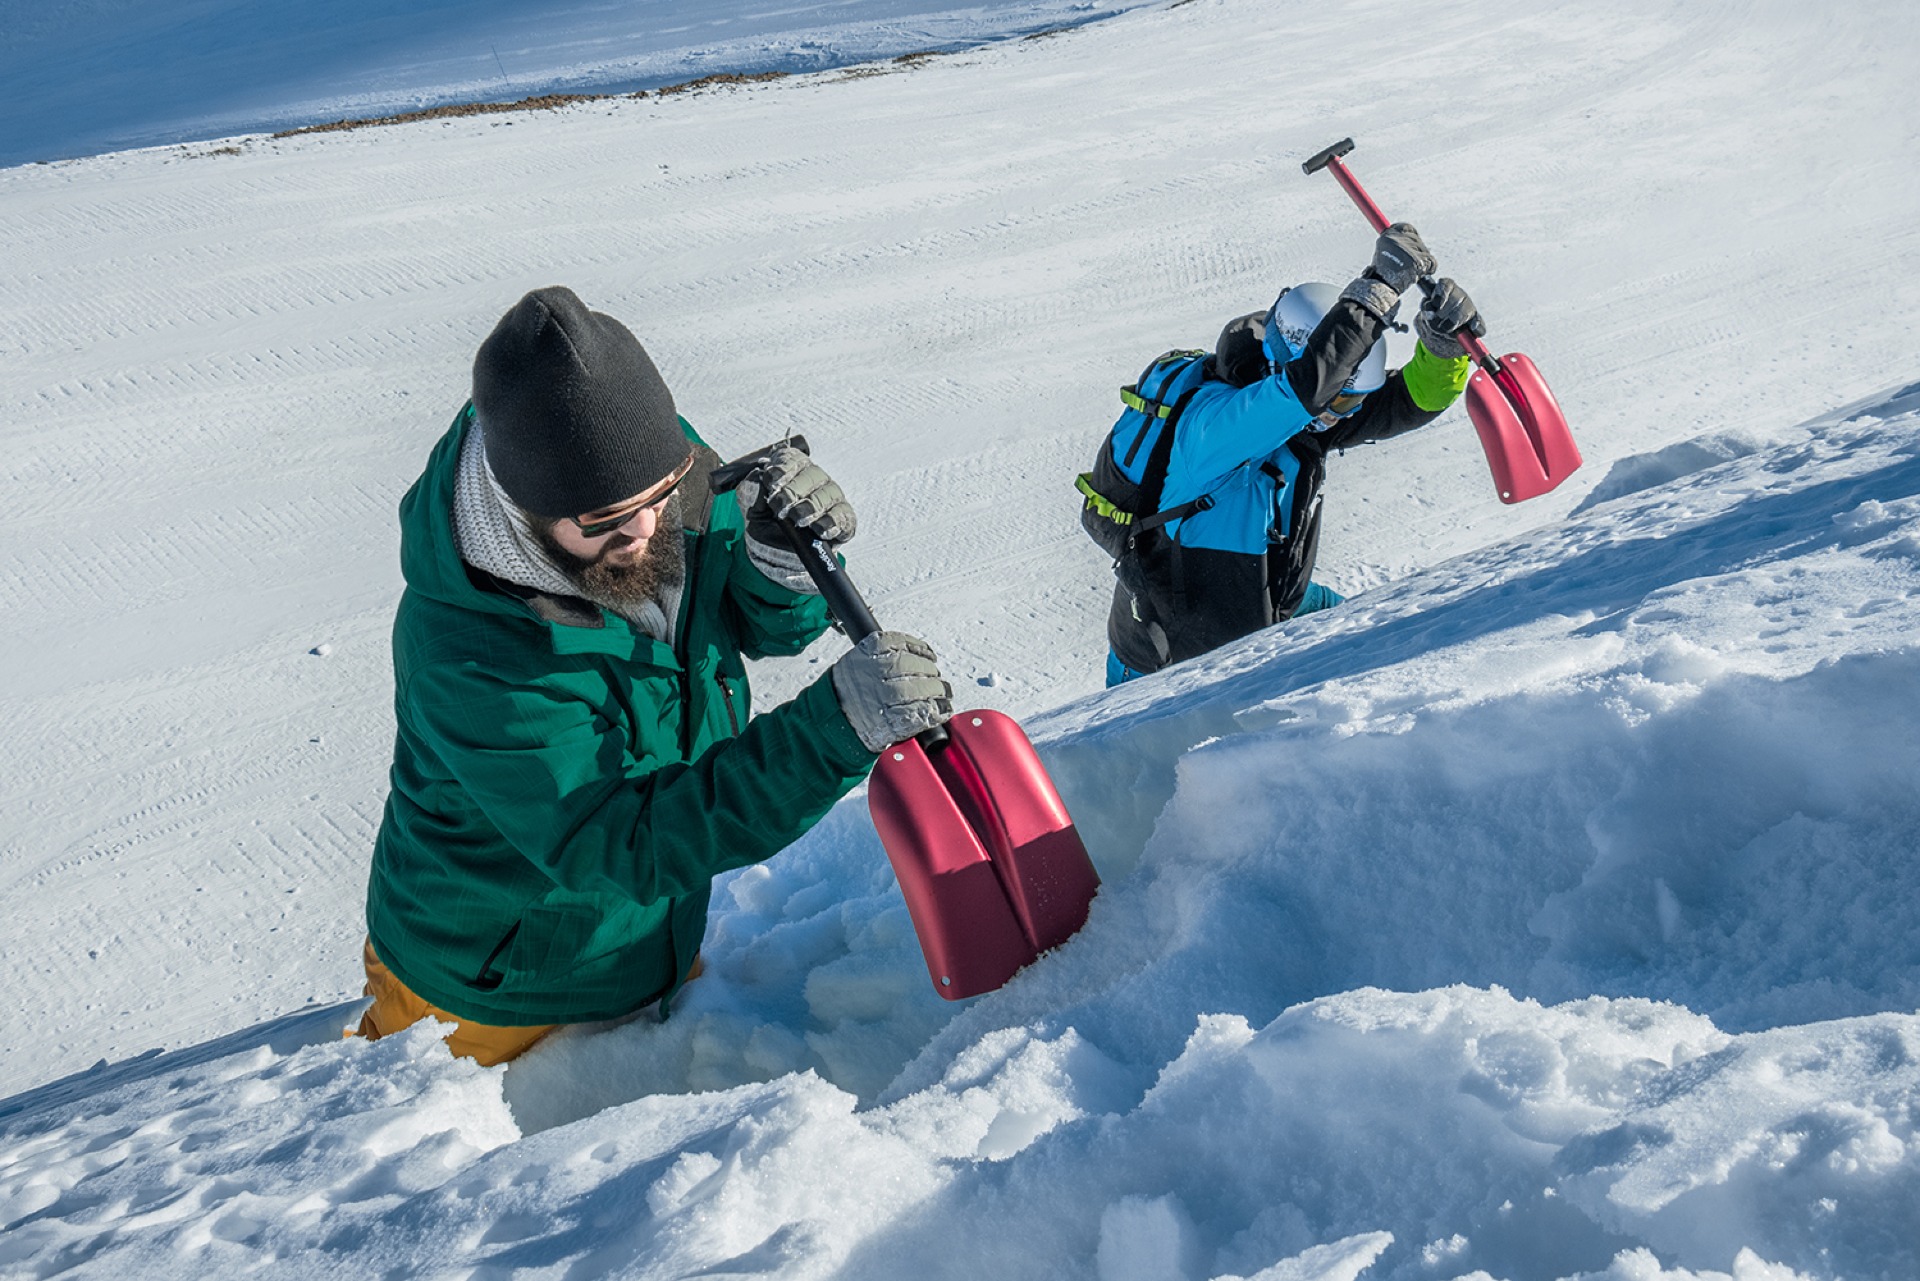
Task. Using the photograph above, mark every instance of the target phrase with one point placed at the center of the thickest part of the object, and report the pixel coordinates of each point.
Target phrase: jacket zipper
(726, 692)
(683, 650)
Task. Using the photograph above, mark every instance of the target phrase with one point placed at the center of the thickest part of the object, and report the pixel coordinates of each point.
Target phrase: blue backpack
(1122, 492)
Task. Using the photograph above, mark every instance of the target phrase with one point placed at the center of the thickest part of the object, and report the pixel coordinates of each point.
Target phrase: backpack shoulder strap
(1117, 517)
(1163, 377)
(1181, 383)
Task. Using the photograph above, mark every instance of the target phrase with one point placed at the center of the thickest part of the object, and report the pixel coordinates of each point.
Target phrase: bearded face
(626, 571)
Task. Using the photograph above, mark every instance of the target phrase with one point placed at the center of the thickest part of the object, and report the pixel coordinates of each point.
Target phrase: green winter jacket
(565, 788)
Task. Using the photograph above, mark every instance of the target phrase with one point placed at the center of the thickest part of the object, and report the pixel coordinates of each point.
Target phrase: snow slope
(1564, 924)
(1646, 740)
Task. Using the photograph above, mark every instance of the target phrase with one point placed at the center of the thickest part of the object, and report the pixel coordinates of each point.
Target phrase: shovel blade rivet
(945, 981)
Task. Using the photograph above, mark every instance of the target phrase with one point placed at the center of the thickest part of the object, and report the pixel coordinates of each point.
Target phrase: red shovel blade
(992, 772)
(1528, 444)
(987, 857)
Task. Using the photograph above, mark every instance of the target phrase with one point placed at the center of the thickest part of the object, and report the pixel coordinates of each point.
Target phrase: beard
(613, 577)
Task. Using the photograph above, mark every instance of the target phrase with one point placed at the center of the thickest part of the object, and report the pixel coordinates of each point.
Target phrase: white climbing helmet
(1291, 320)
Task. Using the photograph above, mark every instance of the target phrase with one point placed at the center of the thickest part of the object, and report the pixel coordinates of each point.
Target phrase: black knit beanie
(574, 416)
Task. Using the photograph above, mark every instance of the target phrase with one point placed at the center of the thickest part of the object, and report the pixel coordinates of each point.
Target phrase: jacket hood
(429, 551)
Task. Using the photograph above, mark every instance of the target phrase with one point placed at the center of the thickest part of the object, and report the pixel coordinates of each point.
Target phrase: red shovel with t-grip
(986, 855)
(1521, 427)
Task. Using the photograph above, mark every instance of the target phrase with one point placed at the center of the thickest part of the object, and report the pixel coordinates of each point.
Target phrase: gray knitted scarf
(494, 535)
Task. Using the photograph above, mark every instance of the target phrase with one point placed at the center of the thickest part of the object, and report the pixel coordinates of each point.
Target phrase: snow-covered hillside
(1549, 909)
(1547, 912)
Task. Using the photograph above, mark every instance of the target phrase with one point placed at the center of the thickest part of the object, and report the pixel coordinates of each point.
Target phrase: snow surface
(1549, 910)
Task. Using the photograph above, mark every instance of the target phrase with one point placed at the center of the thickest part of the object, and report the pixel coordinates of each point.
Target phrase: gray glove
(791, 486)
(1400, 257)
(797, 490)
(890, 688)
(1444, 314)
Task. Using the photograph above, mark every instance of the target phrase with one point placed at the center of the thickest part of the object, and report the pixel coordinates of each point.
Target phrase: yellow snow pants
(396, 1006)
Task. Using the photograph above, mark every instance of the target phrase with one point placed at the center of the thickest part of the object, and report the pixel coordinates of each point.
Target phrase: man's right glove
(890, 688)
(789, 486)
(1444, 314)
(1400, 257)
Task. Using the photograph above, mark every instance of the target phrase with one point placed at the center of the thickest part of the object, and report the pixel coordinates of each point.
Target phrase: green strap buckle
(1099, 502)
(1130, 397)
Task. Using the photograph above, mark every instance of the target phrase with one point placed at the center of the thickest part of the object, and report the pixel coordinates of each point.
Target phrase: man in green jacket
(575, 760)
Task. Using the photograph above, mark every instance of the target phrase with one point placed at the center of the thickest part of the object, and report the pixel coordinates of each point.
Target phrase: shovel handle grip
(727, 476)
(1330, 160)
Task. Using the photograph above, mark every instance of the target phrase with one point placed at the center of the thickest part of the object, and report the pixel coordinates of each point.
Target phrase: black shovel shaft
(844, 600)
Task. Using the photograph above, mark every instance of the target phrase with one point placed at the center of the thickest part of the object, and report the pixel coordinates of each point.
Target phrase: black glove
(890, 687)
(1444, 314)
(789, 485)
(1400, 257)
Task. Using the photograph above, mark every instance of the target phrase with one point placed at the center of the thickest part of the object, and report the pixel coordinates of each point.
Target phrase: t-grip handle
(1322, 159)
(1330, 159)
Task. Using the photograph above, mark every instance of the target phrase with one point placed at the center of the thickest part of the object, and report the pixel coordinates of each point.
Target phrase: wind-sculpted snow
(1551, 913)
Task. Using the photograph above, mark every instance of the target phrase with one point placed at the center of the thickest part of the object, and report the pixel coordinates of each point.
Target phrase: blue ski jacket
(1244, 473)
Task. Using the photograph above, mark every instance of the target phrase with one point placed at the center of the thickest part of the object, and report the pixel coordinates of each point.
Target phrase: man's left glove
(890, 687)
(791, 487)
(1446, 311)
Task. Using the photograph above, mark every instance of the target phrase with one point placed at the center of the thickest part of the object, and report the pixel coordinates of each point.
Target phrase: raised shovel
(1525, 436)
(986, 855)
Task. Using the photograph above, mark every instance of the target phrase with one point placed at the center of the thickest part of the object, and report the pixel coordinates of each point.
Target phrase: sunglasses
(601, 528)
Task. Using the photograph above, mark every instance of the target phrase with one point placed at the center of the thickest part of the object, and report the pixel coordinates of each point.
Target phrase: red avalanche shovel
(1521, 427)
(986, 855)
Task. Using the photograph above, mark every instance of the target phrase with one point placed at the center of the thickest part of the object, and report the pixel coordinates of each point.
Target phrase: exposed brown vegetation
(550, 101)
(707, 82)
(545, 102)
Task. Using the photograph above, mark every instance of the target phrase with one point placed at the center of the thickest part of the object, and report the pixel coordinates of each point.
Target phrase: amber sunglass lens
(595, 528)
